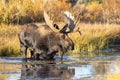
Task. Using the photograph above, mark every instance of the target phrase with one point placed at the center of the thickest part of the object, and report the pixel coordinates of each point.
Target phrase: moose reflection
(54, 70)
(43, 71)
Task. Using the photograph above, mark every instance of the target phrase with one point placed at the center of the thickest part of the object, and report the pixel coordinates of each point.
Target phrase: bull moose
(46, 40)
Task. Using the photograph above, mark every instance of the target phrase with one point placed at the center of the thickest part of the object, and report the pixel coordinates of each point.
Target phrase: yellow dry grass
(9, 43)
(95, 36)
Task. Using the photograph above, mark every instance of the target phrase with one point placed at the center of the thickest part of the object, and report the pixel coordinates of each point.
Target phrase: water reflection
(49, 71)
(83, 72)
(15, 69)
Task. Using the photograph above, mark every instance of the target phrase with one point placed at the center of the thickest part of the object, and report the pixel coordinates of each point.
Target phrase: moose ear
(56, 26)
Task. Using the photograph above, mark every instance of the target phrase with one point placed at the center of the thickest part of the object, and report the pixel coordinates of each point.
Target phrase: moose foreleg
(23, 51)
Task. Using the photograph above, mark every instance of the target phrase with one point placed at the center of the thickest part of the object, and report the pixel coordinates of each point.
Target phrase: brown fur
(42, 41)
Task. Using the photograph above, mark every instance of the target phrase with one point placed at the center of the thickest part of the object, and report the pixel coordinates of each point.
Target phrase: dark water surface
(93, 68)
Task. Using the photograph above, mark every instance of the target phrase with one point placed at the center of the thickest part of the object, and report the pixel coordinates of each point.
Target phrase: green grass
(94, 37)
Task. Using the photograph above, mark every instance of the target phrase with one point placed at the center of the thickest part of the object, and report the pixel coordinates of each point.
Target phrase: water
(90, 68)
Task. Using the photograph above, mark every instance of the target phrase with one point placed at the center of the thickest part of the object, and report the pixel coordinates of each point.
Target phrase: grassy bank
(9, 44)
(94, 37)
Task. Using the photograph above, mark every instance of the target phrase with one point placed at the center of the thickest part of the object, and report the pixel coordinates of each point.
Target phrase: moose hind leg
(32, 55)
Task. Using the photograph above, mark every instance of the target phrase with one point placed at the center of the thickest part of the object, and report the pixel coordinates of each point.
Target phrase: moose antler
(69, 19)
(49, 22)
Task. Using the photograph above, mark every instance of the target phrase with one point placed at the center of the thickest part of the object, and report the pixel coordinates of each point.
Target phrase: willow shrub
(26, 11)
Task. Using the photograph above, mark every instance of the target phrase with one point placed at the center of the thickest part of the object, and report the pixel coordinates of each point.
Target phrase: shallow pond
(90, 68)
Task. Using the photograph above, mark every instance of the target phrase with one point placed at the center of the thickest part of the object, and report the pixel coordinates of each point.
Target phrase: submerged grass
(94, 37)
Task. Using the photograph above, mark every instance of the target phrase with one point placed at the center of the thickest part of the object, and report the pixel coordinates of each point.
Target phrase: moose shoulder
(44, 41)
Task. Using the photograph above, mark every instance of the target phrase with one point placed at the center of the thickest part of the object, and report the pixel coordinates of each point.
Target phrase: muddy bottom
(94, 68)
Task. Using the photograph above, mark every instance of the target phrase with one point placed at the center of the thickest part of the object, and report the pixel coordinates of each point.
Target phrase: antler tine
(48, 21)
(71, 24)
(77, 29)
(77, 21)
(68, 19)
